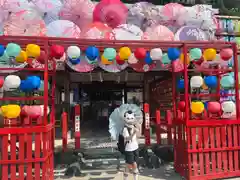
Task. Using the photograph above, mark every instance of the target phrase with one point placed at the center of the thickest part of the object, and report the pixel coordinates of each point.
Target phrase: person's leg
(134, 165)
(129, 158)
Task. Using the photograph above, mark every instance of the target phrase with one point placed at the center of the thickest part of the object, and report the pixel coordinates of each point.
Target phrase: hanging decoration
(173, 53)
(226, 54)
(195, 54)
(197, 107)
(196, 81)
(22, 57)
(109, 54)
(156, 54)
(124, 53)
(180, 84)
(10, 111)
(140, 53)
(210, 54)
(210, 81)
(148, 60)
(227, 81)
(33, 50)
(92, 54)
(73, 52)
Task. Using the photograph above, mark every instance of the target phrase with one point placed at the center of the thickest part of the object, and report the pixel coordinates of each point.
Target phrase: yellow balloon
(182, 59)
(105, 61)
(10, 111)
(204, 86)
(197, 107)
(22, 57)
(210, 54)
(124, 53)
(33, 50)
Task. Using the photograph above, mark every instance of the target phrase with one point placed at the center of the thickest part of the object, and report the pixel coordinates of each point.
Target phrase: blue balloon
(148, 59)
(211, 81)
(92, 53)
(173, 53)
(180, 84)
(34, 82)
(2, 50)
(74, 61)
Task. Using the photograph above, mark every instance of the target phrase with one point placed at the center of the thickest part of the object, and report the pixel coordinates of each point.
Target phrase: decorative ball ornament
(119, 61)
(195, 54)
(210, 54)
(228, 106)
(124, 53)
(156, 54)
(33, 50)
(181, 106)
(2, 50)
(148, 59)
(226, 54)
(182, 60)
(11, 82)
(227, 81)
(22, 57)
(92, 53)
(211, 81)
(214, 107)
(196, 81)
(132, 59)
(10, 111)
(173, 53)
(197, 107)
(140, 53)
(73, 52)
(13, 50)
(110, 53)
(56, 51)
(180, 84)
(105, 60)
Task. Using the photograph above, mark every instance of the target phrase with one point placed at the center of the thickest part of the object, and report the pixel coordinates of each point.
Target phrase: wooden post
(158, 126)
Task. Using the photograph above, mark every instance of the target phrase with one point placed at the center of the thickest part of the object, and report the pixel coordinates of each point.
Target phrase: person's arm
(126, 135)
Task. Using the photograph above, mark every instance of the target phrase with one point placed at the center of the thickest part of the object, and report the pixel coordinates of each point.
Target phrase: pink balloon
(226, 54)
(214, 107)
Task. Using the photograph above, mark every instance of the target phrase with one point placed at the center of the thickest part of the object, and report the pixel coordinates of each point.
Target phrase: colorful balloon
(56, 51)
(13, 50)
(173, 53)
(180, 84)
(195, 53)
(92, 53)
(148, 59)
(196, 81)
(110, 53)
(227, 81)
(214, 107)
(22, 57)
(197, 107)
(182, 59)
(210, 54)
(11, 82)
(211, 81)
(73, 52)
(140, 53)
(124, 53)
(228, 106)
(33, 50)
(226, 54)
(10, 111)
(156, 54)
(165, 59)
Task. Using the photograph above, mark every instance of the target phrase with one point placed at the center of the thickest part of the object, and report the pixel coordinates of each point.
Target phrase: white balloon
(228, 106)
(156, 54)
(11, 82)
(196, 81)
(73, 52)
(132, 59)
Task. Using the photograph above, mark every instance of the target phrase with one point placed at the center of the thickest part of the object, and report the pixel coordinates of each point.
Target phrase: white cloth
(132, 145)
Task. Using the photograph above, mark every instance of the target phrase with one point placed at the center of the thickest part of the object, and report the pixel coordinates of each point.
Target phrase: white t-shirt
(133, 144)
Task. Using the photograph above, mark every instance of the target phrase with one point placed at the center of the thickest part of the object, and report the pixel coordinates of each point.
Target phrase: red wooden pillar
(147, 124)
(64, 131)
(158, 128)
(169, 126)
(77, 126)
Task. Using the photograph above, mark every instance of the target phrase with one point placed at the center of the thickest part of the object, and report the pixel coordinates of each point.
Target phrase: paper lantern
(22, 57)
(2, 50)
(56, 51)
(124, 53)
(181, 106)
(211, 81)
(196, 81)
(197, 107)
(156, 54)
(214, 107)
(182, 59)
(32, 111)
(132, 59)
(227, 81)
(140, 53)
(119, 61)
(110, 53)
(173, 53)
(195, 53)
(13, 50)
(148, 59)
(11, 82)
(10, 111)
(74, 61)
(33, 50)
(180, 84)
(210, 54)
(228, 106)
(226, 54)
(73, 52)
(92, 53)
(105, 61)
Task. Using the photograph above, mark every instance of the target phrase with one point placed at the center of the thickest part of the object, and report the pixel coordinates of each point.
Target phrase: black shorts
(131, 156)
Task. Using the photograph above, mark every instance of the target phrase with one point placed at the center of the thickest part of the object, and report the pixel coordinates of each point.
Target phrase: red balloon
(119, 61)
(214, 107)
(42, 57)
(226, 54)
(181, 106)
(56, 51)
(1, 82)
(140, 53)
